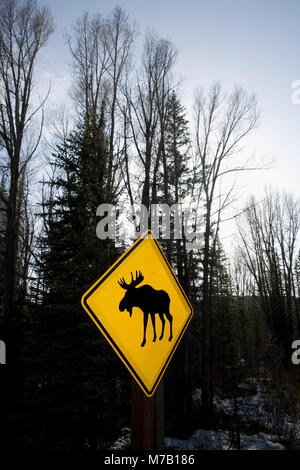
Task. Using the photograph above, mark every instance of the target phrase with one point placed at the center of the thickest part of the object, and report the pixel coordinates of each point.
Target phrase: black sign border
(85, 297)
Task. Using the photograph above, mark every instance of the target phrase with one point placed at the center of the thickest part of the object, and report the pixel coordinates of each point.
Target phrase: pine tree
(176, 172)
(177, 141)
(227, 365)
(81, 377)
(226, 357)
(174, 184)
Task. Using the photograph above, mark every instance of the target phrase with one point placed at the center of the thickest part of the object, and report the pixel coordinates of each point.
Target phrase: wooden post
(147, 418)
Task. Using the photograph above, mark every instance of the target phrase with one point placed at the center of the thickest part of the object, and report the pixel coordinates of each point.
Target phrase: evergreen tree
(174, 185)
(226, 357)
(80, 377)
(177, 141)
(177, 173)
(227, 365)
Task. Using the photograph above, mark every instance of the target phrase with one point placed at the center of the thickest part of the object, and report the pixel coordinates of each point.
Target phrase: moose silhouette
(151, 301)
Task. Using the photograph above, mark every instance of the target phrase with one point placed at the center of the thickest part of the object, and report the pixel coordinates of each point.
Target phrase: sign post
(143, 312)
(147, 418)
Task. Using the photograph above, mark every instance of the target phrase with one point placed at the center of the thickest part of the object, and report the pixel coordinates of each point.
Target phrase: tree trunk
(207, 396)
(10, 260)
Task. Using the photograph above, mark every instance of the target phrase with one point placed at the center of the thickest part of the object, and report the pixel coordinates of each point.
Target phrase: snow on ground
(222, 440)
(249, 408)
(252, 408)
(123, 442)
(258, 408)
(210, 440)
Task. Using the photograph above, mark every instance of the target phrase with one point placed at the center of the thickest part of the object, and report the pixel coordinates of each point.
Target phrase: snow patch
(209, 440)
(222, 440)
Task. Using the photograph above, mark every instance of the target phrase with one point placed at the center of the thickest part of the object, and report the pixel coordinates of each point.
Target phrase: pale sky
(255, 44)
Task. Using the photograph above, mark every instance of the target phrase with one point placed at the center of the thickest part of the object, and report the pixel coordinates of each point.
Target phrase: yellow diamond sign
(141, 309)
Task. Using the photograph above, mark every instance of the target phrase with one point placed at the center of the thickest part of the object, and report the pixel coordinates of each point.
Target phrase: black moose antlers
(139, 278)
(151, 301)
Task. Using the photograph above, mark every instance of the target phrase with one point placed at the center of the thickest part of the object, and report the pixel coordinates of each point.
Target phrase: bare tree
(268, 233)
(287, 230)
(90, 62)
(147, 110)
(101, 54)
(222, 124)
(24, 30)
(119, 35)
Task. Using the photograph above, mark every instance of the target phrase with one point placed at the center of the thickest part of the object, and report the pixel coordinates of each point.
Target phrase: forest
(129, 141)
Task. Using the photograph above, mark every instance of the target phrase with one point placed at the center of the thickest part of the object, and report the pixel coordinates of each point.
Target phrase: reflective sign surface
(141, 309)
